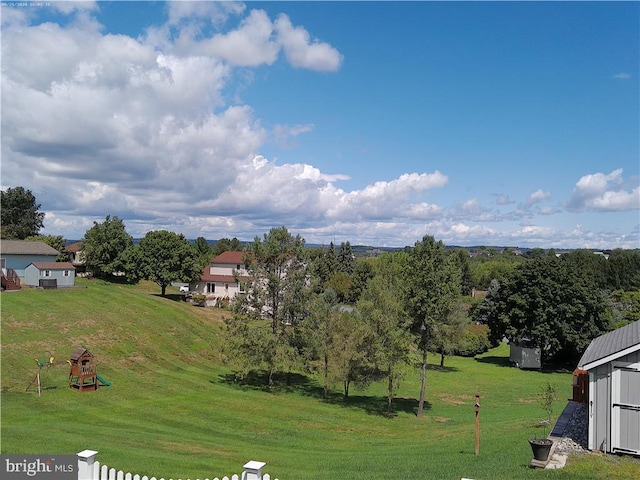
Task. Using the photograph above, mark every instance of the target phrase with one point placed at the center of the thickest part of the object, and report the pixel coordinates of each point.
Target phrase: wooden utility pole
(477, 408)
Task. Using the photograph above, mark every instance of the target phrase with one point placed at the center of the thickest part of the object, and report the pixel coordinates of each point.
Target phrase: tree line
(355, 320)
(316, 311)
(303, 311)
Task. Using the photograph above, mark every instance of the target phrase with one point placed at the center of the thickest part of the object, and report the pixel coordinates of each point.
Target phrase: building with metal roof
(612, 361)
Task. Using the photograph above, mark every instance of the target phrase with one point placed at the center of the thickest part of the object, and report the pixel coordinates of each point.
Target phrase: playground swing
(82, 374)
(41, 365)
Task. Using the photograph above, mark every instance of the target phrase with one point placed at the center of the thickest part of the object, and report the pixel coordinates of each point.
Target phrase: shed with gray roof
(50, 274)
(613, 363)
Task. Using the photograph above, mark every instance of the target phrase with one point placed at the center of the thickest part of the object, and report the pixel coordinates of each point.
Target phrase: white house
(222, 278)
(76, 255)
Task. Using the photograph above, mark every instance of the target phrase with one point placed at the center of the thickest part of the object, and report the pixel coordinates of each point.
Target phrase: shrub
(199, 300)
(474, 341)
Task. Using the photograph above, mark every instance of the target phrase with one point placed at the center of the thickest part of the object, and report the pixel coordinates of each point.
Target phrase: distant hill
(373, 251)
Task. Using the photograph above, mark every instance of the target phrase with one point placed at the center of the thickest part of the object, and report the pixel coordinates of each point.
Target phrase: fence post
(253, 470)
(86, 458)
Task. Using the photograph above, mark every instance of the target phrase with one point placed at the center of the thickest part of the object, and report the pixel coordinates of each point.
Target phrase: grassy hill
(175, 411)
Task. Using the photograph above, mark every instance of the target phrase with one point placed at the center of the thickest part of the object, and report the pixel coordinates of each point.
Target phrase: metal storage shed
(524, 354)
(613, 363)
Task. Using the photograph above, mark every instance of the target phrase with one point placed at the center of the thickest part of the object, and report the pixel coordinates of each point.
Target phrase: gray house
(50, 274)
(19, 254)
(613, 363)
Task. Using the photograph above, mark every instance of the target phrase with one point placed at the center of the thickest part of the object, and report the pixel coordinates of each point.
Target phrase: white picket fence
(90, 469)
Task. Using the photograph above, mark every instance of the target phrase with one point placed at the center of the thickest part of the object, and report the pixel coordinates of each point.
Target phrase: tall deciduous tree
(362, 273)
(382, 307)
(484, 270)
(203, 248)
(317, 333)
(104, 245)
(623, 271)
(168, 257)
(350, 357)
(19, 215)
(226, 245)
(627, 305)
(448, 334)
(492, 312)
(278, 291)
(550, 304)
(589, 265)
(340, 283)
(432, 287)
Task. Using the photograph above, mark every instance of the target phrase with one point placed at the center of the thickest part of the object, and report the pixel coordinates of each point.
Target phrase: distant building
(76, 256)
(222, 278)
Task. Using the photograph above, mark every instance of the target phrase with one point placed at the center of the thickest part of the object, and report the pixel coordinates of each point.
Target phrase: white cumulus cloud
(303, 52)
(537, 196)
(605, 192)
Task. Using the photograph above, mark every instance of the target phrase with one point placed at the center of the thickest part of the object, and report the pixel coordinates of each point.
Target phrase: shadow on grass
(303, 385)
(176, 297)
(498, 361)
(282, 382)
(438, 368)
(505, 362)
(557, 369)
(115, 279)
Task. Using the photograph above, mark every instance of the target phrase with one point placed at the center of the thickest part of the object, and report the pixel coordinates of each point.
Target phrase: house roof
(610, 346)
(74, 247)
(53, 265)
(26, 247)
(207, 277)
(231, 257)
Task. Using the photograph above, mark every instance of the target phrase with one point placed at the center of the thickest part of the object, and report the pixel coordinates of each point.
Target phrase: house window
(226, 287)
(242, 287)
(47, 273)
(237, 267)
(66, 273)
(211, 287)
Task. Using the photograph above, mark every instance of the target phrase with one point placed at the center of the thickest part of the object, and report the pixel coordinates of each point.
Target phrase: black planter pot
(541, 448)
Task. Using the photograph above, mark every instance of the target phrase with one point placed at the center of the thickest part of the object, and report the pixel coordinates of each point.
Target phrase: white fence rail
(90, 469)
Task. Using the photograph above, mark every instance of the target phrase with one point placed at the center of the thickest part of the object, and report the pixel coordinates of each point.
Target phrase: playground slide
(103, 381)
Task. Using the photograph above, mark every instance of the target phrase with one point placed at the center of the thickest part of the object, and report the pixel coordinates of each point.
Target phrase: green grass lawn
(175, 411)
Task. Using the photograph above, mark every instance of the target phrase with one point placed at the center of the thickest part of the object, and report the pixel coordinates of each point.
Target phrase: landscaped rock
(574, 438)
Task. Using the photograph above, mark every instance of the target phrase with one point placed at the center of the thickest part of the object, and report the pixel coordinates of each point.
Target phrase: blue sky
(480, 123)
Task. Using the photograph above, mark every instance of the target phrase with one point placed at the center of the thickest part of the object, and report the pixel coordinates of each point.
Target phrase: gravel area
(575, 436)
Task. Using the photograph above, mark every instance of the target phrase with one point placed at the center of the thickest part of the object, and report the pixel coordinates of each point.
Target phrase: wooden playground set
(83, 376)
